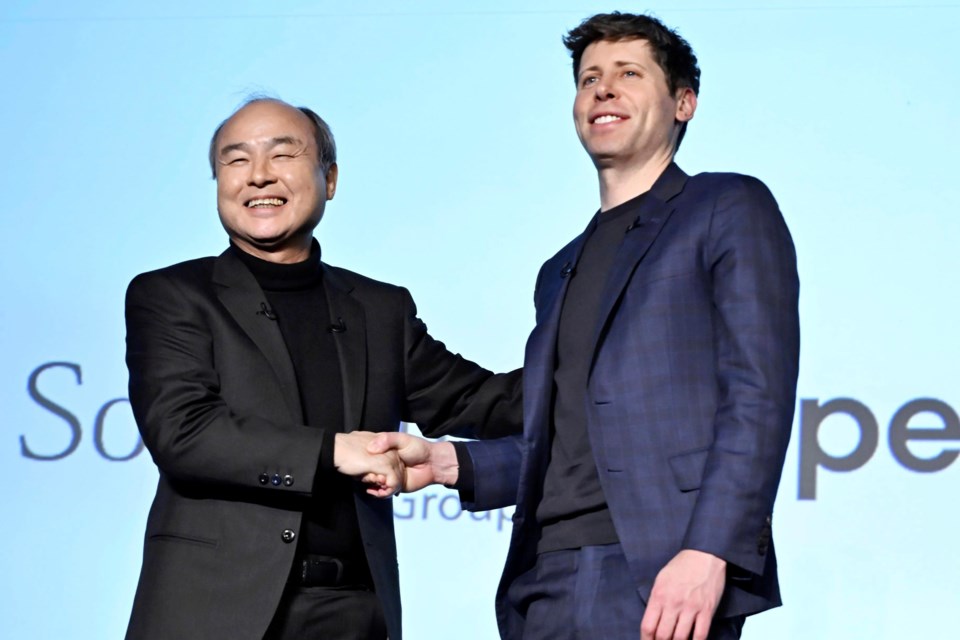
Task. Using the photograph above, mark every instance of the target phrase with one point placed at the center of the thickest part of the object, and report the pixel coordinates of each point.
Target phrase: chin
(604, 158)
(272, 242)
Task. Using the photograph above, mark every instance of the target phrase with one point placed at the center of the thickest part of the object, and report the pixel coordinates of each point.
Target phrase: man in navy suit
(659, 381)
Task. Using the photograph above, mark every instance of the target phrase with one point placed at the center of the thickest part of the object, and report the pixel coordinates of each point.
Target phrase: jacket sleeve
(185, 423)
(495, 473)
(447, 394)
(755, 289)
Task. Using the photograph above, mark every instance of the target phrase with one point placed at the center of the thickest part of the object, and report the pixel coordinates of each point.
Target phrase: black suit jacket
(215, 398)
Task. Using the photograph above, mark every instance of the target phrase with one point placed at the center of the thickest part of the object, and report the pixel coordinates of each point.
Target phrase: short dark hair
(326, 146)
(674, 54)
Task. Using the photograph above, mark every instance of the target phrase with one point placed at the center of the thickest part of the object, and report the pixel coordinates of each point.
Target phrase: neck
(621, 183)
(286, 254)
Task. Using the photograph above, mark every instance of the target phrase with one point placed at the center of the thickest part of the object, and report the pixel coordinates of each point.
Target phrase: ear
(331, 180)
(686, 105)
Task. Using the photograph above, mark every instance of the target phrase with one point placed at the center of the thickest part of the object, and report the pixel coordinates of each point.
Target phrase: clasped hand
(391, 462)
(382, 472)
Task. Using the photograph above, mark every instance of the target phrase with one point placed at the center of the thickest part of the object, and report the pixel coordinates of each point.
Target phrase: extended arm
(449, 395)
(487, 476)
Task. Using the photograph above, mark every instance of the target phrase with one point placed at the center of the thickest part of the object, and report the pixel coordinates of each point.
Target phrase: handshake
(391, 462)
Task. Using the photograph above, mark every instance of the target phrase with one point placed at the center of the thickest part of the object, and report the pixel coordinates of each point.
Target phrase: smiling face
(271, 188)
(624, 112)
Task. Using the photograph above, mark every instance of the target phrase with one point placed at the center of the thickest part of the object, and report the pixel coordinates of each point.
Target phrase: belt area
(326, 571)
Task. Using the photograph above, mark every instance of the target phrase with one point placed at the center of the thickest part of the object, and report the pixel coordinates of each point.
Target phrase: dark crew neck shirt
(296, 297)
(573, 512)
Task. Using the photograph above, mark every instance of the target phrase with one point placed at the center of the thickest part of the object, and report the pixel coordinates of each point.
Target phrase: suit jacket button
(275, 480)
(264, 478)
(288, 536)
(288, 481)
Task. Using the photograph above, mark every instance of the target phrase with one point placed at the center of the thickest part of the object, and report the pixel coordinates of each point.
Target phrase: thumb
(383, 442)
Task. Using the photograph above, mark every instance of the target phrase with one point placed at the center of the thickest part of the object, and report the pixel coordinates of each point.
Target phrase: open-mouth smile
(263, 203)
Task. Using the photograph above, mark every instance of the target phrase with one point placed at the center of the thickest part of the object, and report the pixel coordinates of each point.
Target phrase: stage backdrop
(460, 173)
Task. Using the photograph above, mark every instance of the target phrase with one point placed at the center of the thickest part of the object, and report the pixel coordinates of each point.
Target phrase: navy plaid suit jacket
(691, 391)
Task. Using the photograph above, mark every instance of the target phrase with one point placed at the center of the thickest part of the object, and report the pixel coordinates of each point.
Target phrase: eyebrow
(273, 142)
(618, 64)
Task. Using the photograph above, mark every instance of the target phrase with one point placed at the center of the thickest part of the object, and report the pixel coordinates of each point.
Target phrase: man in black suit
(250, 377)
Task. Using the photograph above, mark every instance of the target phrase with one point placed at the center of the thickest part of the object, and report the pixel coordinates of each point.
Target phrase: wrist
(707, 558)
(336, 450)
(443, 461)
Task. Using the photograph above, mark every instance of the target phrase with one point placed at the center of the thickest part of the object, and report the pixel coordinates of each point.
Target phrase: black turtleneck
(297, 298)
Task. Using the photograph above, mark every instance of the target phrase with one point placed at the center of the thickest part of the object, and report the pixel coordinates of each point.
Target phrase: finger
(648, 626)
(377, 482)
(701, 628)
(392, 480)
(379, 491)
(685, 623)
(666, 625)
(378, 444)
(383, 442)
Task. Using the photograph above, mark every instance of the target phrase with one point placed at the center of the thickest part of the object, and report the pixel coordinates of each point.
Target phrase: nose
(605, 89)
(261, 173)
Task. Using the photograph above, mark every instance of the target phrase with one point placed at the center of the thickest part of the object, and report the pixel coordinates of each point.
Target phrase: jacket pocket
(179, 537)
(688, 468)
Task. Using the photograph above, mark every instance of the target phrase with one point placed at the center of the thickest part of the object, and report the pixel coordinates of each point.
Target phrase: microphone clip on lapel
(267, 312)
(567, 270)
(338, 327)
(638, 222)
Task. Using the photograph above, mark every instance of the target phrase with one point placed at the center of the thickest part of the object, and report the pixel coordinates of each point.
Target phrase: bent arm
(184, 419)
(757, 340)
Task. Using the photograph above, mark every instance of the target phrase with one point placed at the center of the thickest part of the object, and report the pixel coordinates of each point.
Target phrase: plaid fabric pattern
(692, 387)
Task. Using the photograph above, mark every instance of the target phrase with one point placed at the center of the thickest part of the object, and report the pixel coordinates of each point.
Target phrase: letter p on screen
(812, 455)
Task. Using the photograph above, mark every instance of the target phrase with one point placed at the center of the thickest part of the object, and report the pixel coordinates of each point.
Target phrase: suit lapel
(239, 292)
(348, 324)
(655, 211)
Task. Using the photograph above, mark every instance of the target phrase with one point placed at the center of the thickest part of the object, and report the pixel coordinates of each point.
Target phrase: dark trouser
(584, 594)
(328, 613)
